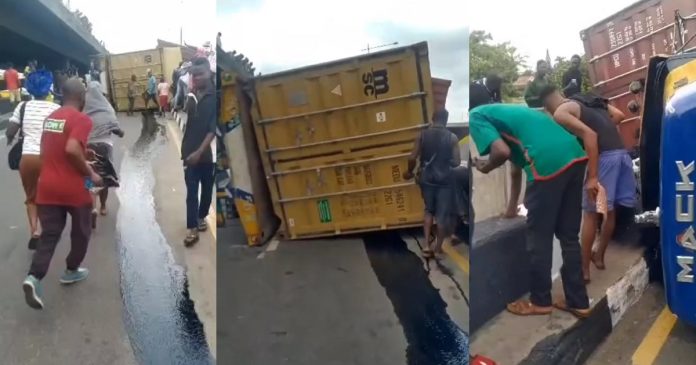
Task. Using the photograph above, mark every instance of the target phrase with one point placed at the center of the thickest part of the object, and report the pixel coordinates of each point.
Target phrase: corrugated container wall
(335, 140)
(123, 66)
(619, 48)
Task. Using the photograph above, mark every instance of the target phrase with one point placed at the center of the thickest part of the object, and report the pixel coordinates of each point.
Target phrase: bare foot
(598, 261)
(103, 211)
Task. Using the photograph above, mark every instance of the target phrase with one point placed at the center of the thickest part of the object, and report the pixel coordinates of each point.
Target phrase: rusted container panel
(335, 138)
(619, 48)
(440, 89)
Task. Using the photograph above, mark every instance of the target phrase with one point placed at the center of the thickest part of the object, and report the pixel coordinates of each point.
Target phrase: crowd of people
(62, 149)
(578, 171)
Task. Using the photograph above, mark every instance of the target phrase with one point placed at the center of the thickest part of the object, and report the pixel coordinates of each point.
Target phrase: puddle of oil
(432, 337)
(159, 315)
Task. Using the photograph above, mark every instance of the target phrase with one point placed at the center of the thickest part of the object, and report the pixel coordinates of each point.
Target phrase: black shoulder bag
(15, 154)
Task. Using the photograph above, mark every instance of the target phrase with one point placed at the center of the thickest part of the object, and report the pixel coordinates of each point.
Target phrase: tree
(562, 65)
(486, 57)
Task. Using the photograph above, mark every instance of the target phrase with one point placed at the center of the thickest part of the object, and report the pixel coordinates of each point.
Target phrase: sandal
(191, 239)
(561, 304)
(202, 226)
(428, 253)
(527, 308)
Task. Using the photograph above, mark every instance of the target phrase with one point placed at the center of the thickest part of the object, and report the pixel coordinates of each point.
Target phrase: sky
(557, 28)
(135, 25)
(324, 30)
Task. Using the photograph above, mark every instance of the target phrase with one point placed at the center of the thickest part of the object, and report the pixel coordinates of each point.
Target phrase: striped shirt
(35, 113)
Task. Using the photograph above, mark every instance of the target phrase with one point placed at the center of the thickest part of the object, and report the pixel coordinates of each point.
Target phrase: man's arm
(499, 153)
(76, 157)
(456, 158)
(412, 158)
(515, 190)
(568, 115)
(615, 114)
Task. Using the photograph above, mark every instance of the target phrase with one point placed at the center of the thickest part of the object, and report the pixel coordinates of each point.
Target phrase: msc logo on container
(376, 83)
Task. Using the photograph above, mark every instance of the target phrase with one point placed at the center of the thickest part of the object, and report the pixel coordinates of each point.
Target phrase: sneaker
(70, 276)
(32, 292)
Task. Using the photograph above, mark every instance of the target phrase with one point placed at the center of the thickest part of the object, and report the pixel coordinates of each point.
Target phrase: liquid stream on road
(162, 324)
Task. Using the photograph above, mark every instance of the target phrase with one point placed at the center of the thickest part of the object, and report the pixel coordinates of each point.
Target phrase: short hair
(546, 91)
(542, 61)
(478, 95)
(574, 56)
(441, 116)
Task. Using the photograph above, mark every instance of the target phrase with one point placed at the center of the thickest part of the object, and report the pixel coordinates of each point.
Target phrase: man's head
(219, 34)
(74, 93)
(162, 79)
(551, 97)
(575, 62)
(494, 82)
(10, 65)
(542, 68)
(440, 117)
(38, 84)
(133, 78)
(201, 74)
(478, 95)
(149, 72)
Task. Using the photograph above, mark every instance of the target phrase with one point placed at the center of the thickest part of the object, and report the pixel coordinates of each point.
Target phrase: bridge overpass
(44, 30)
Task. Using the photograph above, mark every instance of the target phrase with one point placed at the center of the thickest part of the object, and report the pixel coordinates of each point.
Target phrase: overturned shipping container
(619, 48)
(334, 139)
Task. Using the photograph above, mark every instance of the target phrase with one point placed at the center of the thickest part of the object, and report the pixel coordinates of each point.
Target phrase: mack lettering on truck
(686, 275)
(376, 83)
(687, 239)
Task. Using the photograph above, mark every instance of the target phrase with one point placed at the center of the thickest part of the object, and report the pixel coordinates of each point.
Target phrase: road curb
(501, 269)
(576, 344)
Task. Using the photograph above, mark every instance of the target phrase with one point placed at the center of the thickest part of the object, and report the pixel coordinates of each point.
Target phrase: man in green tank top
(554, 163)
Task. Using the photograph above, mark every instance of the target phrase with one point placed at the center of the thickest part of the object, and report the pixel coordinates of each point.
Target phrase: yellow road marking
(652, 343)
(458, 258)
(212, 223)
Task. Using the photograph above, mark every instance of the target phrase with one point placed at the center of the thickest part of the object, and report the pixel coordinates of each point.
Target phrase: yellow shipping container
(335, 139)
(121, 66)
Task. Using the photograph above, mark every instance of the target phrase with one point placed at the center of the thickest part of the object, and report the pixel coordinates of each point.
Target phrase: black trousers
(53, 218)
(198, 176)
(555, 208)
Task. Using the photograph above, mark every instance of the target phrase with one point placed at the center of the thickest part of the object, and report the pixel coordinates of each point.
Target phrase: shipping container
(619, 48)
(161, 61)
(335, 138)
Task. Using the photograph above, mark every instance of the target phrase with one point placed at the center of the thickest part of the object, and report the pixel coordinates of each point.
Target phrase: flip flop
(561, 304)
(526, 308)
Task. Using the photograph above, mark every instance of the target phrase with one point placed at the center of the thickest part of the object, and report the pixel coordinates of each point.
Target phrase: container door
(678, 175)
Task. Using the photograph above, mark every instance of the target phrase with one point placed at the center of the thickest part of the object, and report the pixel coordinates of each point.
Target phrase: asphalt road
(648, 335)
(81, 324)
(354, 300)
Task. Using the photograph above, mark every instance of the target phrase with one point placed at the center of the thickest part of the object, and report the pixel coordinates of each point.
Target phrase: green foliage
(487, 57)
(561, 65)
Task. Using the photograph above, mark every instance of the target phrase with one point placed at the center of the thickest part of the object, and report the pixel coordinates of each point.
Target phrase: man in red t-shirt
(63, 189)
(11, 77)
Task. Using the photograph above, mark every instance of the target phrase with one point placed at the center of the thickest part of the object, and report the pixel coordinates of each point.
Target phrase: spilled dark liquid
(160, 319)
(432, 337)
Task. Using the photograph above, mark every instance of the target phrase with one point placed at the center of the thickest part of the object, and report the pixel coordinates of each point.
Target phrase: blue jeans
(202, 175)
